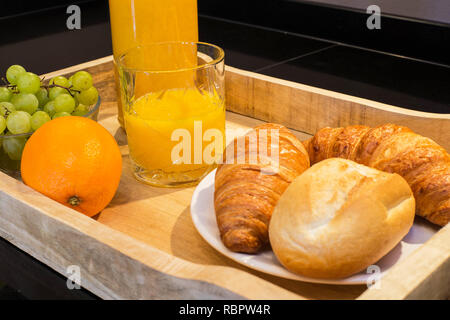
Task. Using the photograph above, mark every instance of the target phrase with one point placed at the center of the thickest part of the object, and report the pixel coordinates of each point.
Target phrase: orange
(75, 161)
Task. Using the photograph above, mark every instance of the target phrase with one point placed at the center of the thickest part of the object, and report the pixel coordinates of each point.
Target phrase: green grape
(79, 113)
(81, 110)
(64, 103)
(55, 91)
(14, 72)
(70, 81)
(13, 146)
(19, 122)
(2, 124)
(42, 96)
(60, 81)
(38, 119)
(28, 82)
(50, 108)
(88, 97)
(5, 94)
(76, 99)
(82, 80)
(25, 102)
(6, 108)
(60, 114)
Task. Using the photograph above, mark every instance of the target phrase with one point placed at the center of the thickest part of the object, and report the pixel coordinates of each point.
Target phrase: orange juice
(140, 22)
(161, 66)
(175, 131)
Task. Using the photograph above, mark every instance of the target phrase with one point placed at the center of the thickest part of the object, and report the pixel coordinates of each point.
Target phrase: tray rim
(14, 194)
(340, 96)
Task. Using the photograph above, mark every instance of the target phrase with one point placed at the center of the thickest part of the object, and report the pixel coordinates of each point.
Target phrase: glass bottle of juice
(141, 22)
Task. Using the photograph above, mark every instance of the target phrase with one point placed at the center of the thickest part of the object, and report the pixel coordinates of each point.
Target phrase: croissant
(248, 185)
(420, 161)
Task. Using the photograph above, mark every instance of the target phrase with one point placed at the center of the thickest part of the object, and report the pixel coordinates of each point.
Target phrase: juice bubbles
(141, 22)
(177, 132)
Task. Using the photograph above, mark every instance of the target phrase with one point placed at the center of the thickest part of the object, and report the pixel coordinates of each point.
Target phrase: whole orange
(75, 161)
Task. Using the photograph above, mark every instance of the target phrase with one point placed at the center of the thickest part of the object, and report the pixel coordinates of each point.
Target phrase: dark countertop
(384, 77)
(368, 74)
(42, 43)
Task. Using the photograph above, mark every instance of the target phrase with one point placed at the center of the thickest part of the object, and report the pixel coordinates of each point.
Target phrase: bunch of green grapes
(26, 103)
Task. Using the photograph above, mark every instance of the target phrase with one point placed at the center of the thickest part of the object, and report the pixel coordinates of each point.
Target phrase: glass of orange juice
(174, 111)
(140, 22)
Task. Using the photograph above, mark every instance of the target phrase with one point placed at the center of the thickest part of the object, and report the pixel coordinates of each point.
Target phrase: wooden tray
(144, 244)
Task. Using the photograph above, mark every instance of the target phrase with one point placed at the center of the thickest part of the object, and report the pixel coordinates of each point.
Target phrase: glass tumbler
(174, 111)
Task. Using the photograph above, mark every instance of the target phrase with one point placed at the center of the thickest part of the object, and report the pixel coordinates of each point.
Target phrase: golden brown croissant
(423, 163)
(247, 192)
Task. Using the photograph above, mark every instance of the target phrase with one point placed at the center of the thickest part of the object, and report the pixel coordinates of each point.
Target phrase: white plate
(204, 218)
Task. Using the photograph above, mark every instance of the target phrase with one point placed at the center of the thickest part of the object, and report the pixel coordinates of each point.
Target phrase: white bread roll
(339, 217)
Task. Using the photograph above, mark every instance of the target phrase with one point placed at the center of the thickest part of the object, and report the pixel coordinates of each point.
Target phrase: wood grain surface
(144, 244)
(423, 275)
(309, 109)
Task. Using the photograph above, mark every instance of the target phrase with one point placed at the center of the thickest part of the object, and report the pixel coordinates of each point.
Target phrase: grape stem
(7, 85)
(49, 86)
(68, 89)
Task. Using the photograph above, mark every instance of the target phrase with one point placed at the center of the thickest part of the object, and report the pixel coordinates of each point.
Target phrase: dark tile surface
(17, 7)
(35, 280)
(246, 47)
(58, 50)
(434, 11)
(374, 76)
(42, 43)
(41, 21)
(8, 293)
(50, 46)
(251, 48)
(397, 35)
